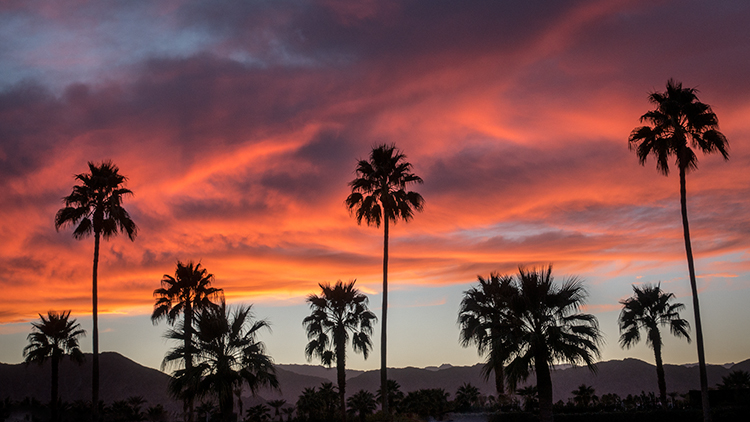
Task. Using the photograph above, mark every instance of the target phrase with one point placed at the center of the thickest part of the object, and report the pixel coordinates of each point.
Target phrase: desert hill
(122, 378)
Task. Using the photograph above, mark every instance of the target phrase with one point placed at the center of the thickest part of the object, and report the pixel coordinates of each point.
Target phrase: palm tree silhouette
(337, 312)
(678, 124)
(395, 395)
(483, 320)
(277, 405)
(95, 206)
(467, 396)
(584, 395)
(53, 338)
(648, 309)
(230, 354)
(187, 293)
(548, 328)
(379, 195)
(362, 403)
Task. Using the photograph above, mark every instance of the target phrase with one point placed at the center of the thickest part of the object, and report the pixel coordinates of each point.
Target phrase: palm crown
(53, 337)
(380, 188)
(648, 309)
(96, 204)
(338, 311)
(678, 123)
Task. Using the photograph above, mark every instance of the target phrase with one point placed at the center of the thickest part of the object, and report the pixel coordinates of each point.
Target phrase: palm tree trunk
(660, 373)
(499, 379)
(189, 358)
(696, 308)
(341, 372)
(383, 370)
(53, 393)
(95, 314)
(544, 386)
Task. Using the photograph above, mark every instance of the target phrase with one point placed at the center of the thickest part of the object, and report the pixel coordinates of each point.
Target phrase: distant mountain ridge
(122, 378)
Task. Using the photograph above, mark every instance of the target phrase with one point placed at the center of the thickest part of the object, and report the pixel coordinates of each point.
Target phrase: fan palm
(95, 206)
(362, 403)
(483, 320)
(53, 338)
(647, 309)
(677, 125)
(378, 196)
(548, 328)
(186, 294)
(230, 354)
(584, 395)
(337, 312)
(277, 405)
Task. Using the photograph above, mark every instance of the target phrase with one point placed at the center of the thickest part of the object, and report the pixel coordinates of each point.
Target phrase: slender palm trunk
(341, 373)
(544, 386)
(53, 393)
(696, 308)
(499, 379)
(189, 391)
(383, 370)
(226, 406)
(656, 341)
(95, 314)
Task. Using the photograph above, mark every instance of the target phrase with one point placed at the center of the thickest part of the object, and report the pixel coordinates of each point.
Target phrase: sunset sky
(239, 125)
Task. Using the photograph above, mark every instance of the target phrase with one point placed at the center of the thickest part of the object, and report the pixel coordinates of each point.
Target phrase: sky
(239, 126)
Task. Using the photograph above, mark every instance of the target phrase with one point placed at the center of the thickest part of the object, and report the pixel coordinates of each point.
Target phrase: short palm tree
(362, 403)
(277, 405)
(648, 309)
(482, 317)
(735, 380)
(548, 328)
(467, 396)
(379, 195)
(186, 294)
(584, 395)
(679, 124)
(230, 354)
(395, 395)
(53, 338)
(339, 311)
(95, 206)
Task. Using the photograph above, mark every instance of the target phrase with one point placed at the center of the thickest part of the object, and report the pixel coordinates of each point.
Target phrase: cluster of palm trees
(219, 351)
(524, 323)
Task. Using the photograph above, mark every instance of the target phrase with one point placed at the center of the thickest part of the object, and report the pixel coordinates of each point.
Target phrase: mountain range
(122, 378)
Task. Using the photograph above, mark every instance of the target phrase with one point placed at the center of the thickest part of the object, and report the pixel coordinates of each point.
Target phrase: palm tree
(277, 405)
(337, 312)
(483, 320)
(547, 329)
(678, 124)
(229, 354)
(53, 338)
(379, 195)
(530, 396)
(395, 395)
(735, 380)
(362, 403)
(467, 396)
(95, 206)
(187, 293)
(647, 309)
(584, 395)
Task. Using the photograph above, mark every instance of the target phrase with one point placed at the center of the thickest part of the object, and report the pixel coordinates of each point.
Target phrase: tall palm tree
(53, 338)
(378, 196)
(677, 125)
(339, 311)
(647, 309)
(230, 354)
(548, 329)
(95, 206)
(186, 294)
(483, 319)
